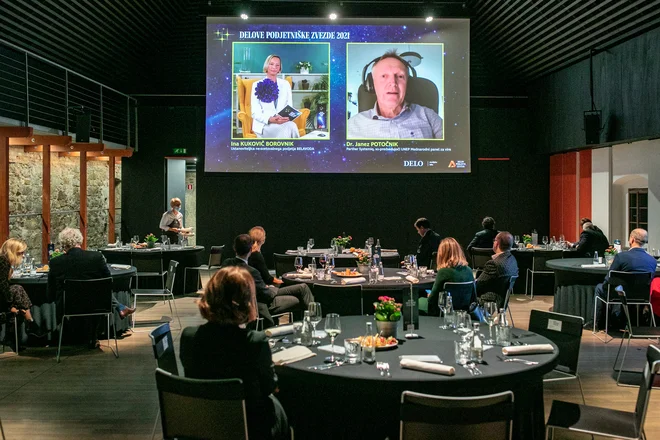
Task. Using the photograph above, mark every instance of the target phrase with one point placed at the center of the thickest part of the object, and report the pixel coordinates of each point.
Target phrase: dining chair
(509, 291)
(215, 259)
(566, 333)
(163, 346)
(201, 408)
(336, 298)
(462, 294)
(165, 294)
(604, 421)
(149, 263)
(480, 256)
(283, 263)
(488, 417)
(434, 261)
(539, 258)
(631, 333)
(5, 318)
(637, 286)
(88, 298)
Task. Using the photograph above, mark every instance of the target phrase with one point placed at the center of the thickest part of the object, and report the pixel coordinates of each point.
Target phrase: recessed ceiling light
(429, 19)
(332, 16)
(244, 16)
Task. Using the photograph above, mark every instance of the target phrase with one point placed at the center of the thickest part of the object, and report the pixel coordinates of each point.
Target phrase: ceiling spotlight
(332, 16)
(244, 16)
(429, 19)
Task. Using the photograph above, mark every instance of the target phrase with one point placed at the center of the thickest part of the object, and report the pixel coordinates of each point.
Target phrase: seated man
(592, 240)
(270, 300)
(634, 260)
(485, 237)
(493, 281)
(429, 242)
(78, 264)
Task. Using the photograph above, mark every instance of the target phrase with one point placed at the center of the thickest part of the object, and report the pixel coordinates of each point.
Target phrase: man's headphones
(368, 79)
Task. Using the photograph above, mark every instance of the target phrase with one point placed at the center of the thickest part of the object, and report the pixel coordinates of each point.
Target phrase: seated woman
(223, 349)
(256, 259)
(452, 267)
(13, 298)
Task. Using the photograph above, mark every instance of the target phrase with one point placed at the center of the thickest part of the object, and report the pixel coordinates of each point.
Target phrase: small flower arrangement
(343, 240)
(527, 238)
(304, 65)
(151, 238)
(387, 309)
(266, 90)
(363, 257)
(611, 250)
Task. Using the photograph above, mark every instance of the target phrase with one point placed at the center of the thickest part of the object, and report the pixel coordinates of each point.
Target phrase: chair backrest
(434, 261)
(161, 342)
(215, 257)
(147, 261)
(171, 273)
(392, 262)
(509, 291)
(564, 330)
(481, 256)
(201, 408)
(345, 300)
(462, 294)
(539, 259)
(488, 417)
(636, 284)
(651, 370)
(283, 263)
(421, 91)
(87, 297)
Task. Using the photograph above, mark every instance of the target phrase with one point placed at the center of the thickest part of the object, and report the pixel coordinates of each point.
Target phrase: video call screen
(354, 96)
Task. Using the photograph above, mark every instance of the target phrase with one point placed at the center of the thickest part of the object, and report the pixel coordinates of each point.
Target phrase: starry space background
(330, 156)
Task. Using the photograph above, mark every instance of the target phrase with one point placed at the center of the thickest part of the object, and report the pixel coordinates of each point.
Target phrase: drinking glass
(300, 250)
(516, 238)
(298, 264)
(310, 242)
(441, 306)
(463, 322)
(352, 351)
(320, 274)
(323, 260)
(332, 328)
(545, 241)
(315, 315)
(490, 313)
(422, 271)
(330, 263)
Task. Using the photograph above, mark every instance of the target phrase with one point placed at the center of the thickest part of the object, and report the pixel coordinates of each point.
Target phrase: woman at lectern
(269, 97)
(172, 221)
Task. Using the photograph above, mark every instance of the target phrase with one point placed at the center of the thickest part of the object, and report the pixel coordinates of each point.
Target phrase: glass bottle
(595, 257)
(378, 249)
(369, 345)
(306, 332)
(476, 347)
(51, 249)
(503, 335)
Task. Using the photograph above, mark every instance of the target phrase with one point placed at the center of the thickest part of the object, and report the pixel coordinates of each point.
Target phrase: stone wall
(25, 183)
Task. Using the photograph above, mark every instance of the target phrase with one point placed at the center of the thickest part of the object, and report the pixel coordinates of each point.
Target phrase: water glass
(320, 274)
(297, 332)
(461, 351)
(422, 271)
(373, 275)
(300, 250)
(503, 336)
(352, 350)
(312, 269)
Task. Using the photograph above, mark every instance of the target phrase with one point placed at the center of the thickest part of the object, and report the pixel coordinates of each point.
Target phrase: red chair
(655, 296)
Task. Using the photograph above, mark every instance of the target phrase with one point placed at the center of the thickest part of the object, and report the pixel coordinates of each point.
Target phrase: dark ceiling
(158, 46)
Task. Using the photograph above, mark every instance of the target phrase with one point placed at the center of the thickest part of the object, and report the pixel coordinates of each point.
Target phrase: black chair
(632, 333)
(488, 417)
(434, 261)
(392, 262)
(88, 298)
(161, 342)
(509, 291)
(480, 256)
(637, 286)
(462, 294)
(283, 264)
(345, 300)
(201, 408)
(566, 332)
(165, 293)
(149, 263)
(5, 319)
(539, 259)
(604, 421)
(215, 259)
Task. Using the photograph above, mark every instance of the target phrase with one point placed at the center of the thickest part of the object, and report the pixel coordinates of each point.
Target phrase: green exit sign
(179, 150)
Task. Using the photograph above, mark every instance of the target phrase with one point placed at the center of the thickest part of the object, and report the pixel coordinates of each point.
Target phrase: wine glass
(516, 239)
(330, 263)
(315, 316)
(332, 328)
(323, 259)
(545, 241)
(490, 313)
(298, 264)
(441, 306)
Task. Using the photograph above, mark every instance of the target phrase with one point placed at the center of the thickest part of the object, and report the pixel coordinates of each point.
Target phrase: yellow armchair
(244, 87)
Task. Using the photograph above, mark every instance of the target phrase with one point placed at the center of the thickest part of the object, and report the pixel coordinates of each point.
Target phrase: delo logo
(413, 163)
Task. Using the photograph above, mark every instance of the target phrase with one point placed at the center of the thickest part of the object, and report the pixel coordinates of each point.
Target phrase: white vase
(304, 71)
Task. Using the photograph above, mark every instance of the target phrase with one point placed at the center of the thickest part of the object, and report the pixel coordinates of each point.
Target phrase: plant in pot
(363, 262)
(304, 67)
(342, 242)
(527, 240)
(388, 315)
(610, 253)
(151, 240)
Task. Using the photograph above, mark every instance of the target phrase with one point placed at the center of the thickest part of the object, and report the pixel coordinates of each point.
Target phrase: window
(638, 208)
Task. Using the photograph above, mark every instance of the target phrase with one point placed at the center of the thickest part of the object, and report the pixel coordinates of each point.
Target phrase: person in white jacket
(269, 96)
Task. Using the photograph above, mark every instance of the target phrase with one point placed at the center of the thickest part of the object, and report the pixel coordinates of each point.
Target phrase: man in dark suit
(270, 300)
(592, 240)
(493, 281)
(78, 264)
(634, 260)
(429, 242)
(485, 237)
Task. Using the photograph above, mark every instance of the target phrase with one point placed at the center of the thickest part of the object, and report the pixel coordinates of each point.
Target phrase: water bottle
(306, 332)
(617, 245)
(503, 336)
(378, 250)
(477, 347)
(381, 271)
(535, 237)
(51, 249)
(369, 345)
(314, 262)
(595, 257)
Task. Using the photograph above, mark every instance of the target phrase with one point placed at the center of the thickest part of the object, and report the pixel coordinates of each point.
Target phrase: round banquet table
(524, 258)
(189, 256)
(354, 401)
(391, 258)
(44, 310)
(575, 286)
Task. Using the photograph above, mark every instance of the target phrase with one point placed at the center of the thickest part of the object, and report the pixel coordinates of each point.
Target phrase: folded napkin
(389, 250)
(280, 330)
(391, 278)
(593, 265)
(121, 266)
(527, 349)
(291, 355)
(428, 367)
(357, 280)
(402, 273)
(328, 348)
(111, 245)
(430, 358)
(301, 275)
(412, 279)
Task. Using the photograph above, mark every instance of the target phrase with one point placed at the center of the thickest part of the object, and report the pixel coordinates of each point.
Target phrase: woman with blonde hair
(224, 348)
(14, 297)
(256, 259)
(452, 267)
